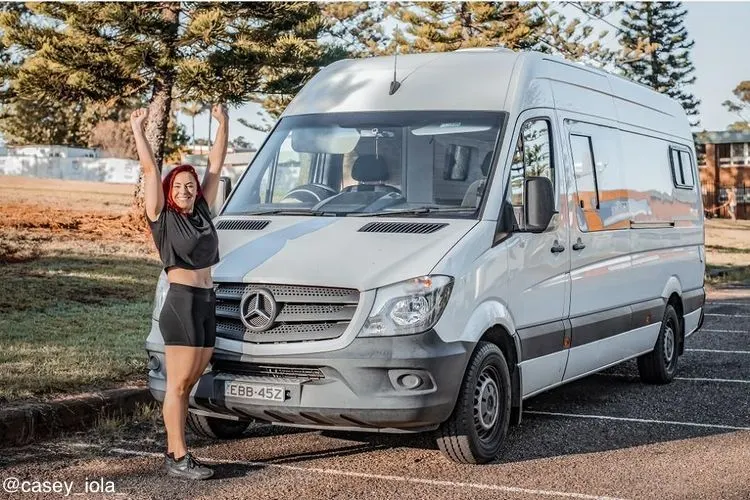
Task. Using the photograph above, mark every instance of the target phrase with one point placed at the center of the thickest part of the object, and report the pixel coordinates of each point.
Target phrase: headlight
(162, 287)
(412, 306)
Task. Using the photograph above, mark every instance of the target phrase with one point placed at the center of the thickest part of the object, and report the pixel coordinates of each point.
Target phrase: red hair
(169, 180)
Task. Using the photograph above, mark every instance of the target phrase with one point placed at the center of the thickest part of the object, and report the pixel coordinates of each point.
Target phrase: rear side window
(682, 168)
(585, 174)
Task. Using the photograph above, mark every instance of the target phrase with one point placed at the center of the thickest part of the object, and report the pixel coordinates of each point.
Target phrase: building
(52, 151)
(724, 162)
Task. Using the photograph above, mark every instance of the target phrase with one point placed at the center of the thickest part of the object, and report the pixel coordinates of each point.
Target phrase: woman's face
(184, 190)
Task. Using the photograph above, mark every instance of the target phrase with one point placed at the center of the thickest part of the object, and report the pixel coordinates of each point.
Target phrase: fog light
(410, 381)
(153, 363)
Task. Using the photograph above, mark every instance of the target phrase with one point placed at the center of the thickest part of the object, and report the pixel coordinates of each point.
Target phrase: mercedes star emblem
(258, 310)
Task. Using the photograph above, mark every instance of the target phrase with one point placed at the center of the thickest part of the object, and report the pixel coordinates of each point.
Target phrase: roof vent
(402, 227)
(242, 224)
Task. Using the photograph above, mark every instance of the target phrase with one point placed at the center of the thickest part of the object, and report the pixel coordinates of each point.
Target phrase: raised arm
(217, 155)
(154, 196)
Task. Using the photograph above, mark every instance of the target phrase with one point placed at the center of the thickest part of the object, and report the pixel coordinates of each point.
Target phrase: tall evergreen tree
(656, 49)
(356, 28)
(574, 38)
(104, 52)
(448, 26)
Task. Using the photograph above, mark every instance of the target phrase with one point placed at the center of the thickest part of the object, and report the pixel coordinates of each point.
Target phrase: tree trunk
(210, 123)
(160, 105)
(193, 117)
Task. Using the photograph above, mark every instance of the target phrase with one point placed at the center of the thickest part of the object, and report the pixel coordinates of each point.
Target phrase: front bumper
(362, 385)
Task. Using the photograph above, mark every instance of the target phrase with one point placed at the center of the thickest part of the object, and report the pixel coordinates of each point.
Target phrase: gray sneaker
(187, 468)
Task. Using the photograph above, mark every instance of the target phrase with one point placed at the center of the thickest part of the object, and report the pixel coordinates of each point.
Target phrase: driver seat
(370, 172)
(474, 194)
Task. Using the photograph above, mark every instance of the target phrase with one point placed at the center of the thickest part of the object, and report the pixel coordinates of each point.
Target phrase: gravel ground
(606, 435)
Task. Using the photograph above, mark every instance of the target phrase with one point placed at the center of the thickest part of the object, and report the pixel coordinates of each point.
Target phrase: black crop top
(186, 241)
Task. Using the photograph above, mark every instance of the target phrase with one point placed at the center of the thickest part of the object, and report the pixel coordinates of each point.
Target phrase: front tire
(216, 428)
(475, 431)
(660, 365)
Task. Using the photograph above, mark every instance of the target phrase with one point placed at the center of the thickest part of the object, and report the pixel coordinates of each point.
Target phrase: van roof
(485, 79)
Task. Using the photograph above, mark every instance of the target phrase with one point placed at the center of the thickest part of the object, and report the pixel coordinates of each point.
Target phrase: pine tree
(355, 28)
(574, 38)
(27, 122)
(448, 26)
(104, 52)
(656, 49)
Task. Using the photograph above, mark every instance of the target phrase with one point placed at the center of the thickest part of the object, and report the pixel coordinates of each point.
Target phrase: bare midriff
(200, 278)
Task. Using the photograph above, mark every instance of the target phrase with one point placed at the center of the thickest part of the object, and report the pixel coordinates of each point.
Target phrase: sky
(720, 55)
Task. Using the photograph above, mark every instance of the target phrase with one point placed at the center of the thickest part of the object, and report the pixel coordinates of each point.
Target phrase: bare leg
(198, 368)
(201, 363)
(181, 362)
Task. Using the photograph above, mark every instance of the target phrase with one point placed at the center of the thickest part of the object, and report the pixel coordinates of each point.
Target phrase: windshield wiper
(413, 211)
(293, 211)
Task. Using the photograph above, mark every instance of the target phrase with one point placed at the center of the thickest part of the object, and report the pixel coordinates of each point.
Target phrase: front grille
(304, 313)
(291, 293)
(267, 371)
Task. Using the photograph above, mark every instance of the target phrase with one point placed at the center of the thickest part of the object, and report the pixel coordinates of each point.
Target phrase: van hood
(332, 251)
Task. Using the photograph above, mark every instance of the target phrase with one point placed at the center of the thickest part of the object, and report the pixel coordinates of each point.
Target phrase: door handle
(579, 245)
(557, 247)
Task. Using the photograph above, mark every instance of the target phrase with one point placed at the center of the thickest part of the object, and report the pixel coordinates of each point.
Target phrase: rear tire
(216, 428)
(660, 365)
(475, 431)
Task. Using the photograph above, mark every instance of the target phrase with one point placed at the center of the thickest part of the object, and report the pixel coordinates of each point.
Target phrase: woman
(177, 211)
(732, 202)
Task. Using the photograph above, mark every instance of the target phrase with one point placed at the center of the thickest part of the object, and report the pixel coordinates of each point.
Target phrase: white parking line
(337, 472)
(708, 330)
(687, 379)
(745, 304)
(637, 420)
(720, 380)
(717, 351)
(721, 315)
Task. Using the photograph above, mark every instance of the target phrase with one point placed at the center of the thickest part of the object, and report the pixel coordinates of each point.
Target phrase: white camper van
(421, 244)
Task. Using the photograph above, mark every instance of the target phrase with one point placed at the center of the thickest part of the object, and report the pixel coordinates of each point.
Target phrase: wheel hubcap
(668, 343)
(486, 403)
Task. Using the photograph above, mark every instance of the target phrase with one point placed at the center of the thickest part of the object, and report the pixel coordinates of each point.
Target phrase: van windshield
(385, 163)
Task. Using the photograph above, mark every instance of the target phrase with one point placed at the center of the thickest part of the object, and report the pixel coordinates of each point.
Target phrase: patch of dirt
(61, 222)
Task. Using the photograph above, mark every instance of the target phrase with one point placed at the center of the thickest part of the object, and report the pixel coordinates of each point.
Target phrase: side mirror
(540, 203)
(225, 187)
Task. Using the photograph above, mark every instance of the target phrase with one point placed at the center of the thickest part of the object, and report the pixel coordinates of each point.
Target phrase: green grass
(73, 323)
(719, 275)
(146, 418)
(719, 248)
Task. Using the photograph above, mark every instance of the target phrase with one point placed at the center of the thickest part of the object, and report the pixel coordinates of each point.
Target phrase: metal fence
(713, 201)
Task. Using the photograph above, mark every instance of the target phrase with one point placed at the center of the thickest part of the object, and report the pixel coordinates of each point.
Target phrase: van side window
(532, 158)
(682, 168)
(583, 167)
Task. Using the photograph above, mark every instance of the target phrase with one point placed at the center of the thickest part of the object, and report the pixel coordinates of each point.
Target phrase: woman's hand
(138, 118)
(220, 113)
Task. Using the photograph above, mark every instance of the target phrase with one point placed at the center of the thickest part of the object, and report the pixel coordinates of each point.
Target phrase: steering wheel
(310, 193)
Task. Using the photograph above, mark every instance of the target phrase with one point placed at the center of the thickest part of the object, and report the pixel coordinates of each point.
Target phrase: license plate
(254, 391)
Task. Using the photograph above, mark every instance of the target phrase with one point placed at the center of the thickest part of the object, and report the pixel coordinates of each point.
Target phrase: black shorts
(188, 316)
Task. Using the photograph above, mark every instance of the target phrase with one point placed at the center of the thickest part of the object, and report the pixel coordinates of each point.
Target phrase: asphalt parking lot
(605, 436)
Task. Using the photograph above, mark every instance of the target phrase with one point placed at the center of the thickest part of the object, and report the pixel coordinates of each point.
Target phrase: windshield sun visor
(325, 140)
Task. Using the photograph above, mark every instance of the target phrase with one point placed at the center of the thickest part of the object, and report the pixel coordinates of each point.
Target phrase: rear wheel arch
(675, 300)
